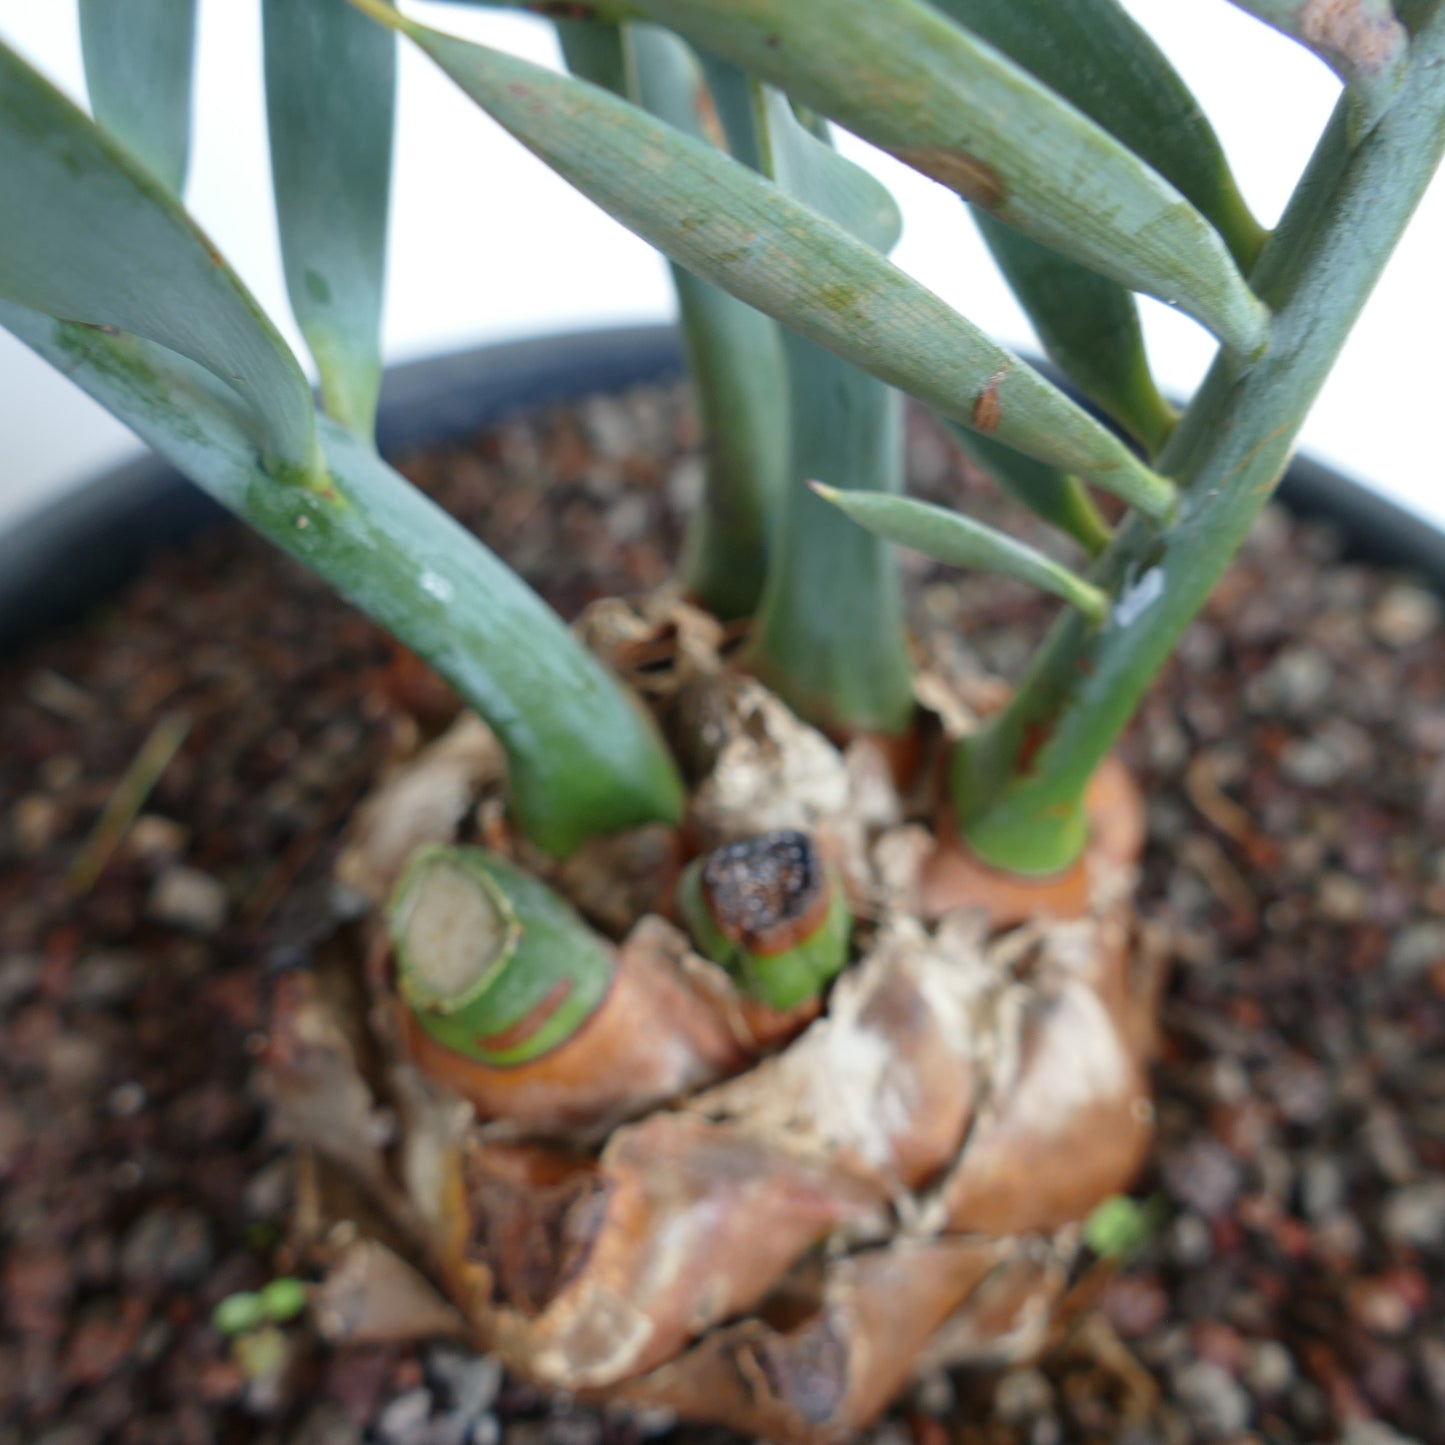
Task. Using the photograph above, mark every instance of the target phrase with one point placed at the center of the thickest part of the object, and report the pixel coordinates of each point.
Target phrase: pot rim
(65, 557)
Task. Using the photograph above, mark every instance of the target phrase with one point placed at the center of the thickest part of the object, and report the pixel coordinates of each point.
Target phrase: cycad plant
(761, 1006)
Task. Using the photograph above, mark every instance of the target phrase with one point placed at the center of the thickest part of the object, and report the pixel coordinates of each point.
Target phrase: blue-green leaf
(733, 96)
(595, 51)
(582, 756)
(831, 637)
(902, 75)
(739, 231)
(735, 357)
(1059, 500)
(330, 97)
(100, 241)
(139, 57)
(961, 542)
(1089, 327)
(1360, 40)
(817, 175)
(1095, 55)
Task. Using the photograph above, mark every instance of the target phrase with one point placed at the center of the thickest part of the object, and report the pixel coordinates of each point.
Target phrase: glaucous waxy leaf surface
(902, 75)
(1060, 500)
(1098, 58)
(951, 537)
(810, 169)
(139, 58)
(99, 240)
(741, 232)
(830, 637)
(1089, 327)
(330, 97)
(735, 353)
(1362, 41)
(582, 757)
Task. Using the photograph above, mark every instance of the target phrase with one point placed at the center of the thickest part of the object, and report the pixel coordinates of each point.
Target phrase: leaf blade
(1089, 328)
(139, 60)
(959, 541)
(101, 242)
(735, 357)
(330, 101)
(812, 171)
(1360, 40)
(1098, 58)
(582, 757)
(745, 235)
(1048, 493)
(902, 75)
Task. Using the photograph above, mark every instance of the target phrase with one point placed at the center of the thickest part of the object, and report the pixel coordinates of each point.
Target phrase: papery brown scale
(1070, 1125)
(830, 1373)
(681, 1225)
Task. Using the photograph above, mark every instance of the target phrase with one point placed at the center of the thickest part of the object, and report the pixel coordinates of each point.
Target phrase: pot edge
(64, 558)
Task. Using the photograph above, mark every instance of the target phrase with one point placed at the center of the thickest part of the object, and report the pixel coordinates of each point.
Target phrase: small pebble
(1416, 949)
(1295, 684)
(19, 977)
(326, 1425)
(1415, 1216)
(470, 1382)
(187, 898)
(1373, 1432)
(1204, 1175)
(1269, 1368)
(1022, 1395)
(1321, 1187)
(1213, 1399)
(402, 1421)
(108, 976)
(1404, 615)
(1189, 1241)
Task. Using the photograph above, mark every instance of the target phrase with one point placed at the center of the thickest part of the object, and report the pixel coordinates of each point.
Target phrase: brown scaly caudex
(769, 1218)
(752, 1111)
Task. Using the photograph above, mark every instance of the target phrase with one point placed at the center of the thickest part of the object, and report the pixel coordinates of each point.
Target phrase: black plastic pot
(73, 554)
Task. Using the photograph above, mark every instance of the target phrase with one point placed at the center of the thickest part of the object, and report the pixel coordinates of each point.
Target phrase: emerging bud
(490, 961)
(772, 913)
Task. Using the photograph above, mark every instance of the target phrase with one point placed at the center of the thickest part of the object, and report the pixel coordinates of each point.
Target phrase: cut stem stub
(490, 961)
(771, 912)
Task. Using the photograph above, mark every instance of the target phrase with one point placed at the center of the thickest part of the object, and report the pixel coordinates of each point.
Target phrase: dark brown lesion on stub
(534, 1221)
(768, 893)
(973, 179)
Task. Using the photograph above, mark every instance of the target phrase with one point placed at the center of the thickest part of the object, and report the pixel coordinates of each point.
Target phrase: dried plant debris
(885, 1163)
(1295, 1291)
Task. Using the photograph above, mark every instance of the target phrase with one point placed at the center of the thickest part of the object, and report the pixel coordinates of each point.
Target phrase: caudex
(797, 1023)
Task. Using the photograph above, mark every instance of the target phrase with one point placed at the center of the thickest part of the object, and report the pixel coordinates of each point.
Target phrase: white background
(487, 244)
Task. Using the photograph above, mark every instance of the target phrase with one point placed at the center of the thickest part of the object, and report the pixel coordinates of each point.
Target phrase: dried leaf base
(769, 1222)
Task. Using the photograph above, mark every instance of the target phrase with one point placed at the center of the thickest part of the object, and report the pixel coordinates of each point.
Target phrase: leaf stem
(1019, 800)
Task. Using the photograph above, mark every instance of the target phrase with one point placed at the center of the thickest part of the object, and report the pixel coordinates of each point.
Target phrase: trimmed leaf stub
(712, 1198)
(491, 963)
(772, 913)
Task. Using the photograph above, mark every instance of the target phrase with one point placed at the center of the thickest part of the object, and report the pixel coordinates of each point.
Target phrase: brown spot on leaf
(988, 408)
(1358, 37)
(973, 179)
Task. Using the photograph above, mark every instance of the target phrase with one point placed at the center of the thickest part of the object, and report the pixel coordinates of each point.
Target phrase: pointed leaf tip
(959, 541)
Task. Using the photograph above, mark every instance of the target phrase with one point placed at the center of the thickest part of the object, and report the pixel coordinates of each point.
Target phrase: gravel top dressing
(174, 778)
